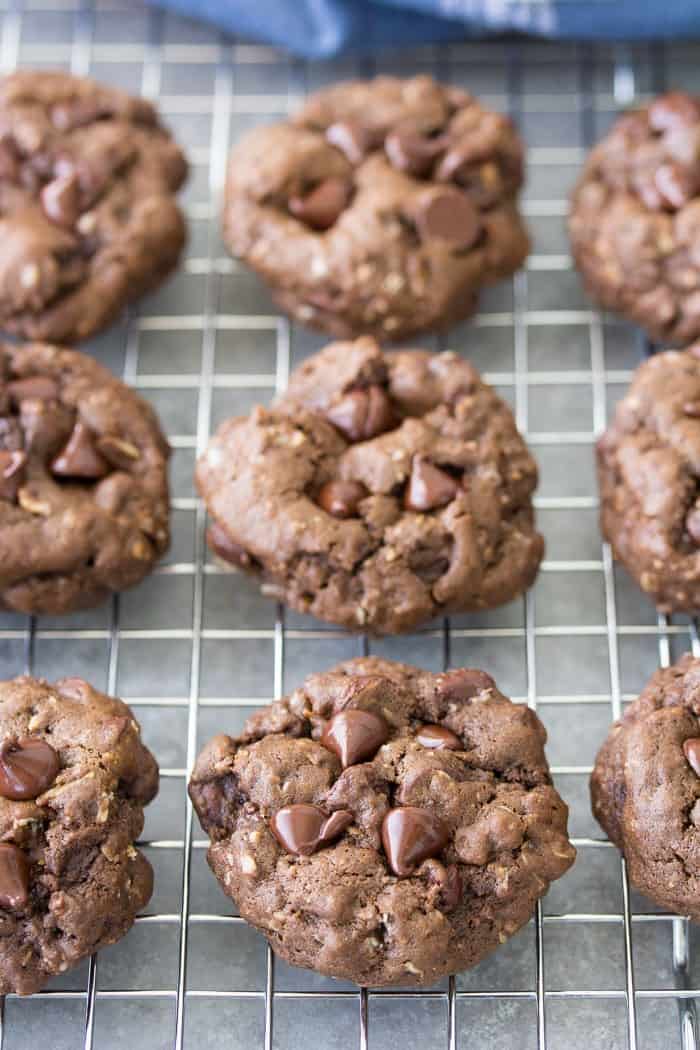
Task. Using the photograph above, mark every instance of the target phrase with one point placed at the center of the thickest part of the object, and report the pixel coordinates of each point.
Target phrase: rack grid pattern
(195, 648)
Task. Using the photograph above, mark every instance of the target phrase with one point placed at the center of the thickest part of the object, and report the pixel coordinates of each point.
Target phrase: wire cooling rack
(194, 649)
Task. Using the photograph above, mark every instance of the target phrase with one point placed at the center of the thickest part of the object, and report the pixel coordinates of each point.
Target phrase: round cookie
(381, 490)
(645, 788)
(649, 469)
(383, 824)
(635, 218)
(74, 778)
(83, 482)
(381, 208)
(88, 221)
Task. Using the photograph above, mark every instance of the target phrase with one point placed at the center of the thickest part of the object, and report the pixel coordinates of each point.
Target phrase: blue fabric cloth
(324, 28)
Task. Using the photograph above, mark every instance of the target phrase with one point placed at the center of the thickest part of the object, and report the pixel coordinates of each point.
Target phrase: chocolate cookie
(382, 207)
(383, 824)
(649, 473)
(88, 221)
(83, 482)
(74, 778)
(635, 218)
(645, 788)
(380, 491)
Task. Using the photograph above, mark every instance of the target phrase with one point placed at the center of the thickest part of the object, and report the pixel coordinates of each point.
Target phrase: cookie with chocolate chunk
(645, 788)
(88, 220)
(84, 505)
(381, 490)
(382, 207)
(74, 778)
(635, 218)
(383, 824)
(649, 474)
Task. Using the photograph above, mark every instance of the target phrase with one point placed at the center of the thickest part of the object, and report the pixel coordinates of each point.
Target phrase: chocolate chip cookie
(74, 778)
(649, 473)
(382, 824)
(381, 490)
(645, 788)
(88, 220)
(382, 207)
(83, 482)
(635, 218)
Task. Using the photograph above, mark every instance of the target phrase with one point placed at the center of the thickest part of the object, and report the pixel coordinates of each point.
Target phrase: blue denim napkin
(324, 28)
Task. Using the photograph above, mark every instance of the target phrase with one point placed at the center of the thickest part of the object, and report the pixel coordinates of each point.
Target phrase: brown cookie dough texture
(431, 855)
(381, 208)
(635, 218)
(645, 788)
(88, 221)
(381, 490)
(649, 471)
(83, 482)
(71, 880)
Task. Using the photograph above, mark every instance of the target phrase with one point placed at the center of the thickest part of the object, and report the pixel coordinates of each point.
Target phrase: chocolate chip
(362, 414)
(302, 828)
(34, 388)
(411, 150)
(28, 767)
(12, 466)
(438, 738)
(352, 138)
(450, 216)
(341, 498)
(692, 525)
(464, 683)
(321, 207)
(411, 835)
(354, 735)
(691, 750)
(220, 542)
(14, 876)
(428, 486)
(80, 457)
(60, 200)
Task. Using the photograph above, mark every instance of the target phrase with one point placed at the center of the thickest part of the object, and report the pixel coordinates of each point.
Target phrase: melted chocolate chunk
(355, 735)
(362, 414)
(341, 498)
(411, 835)
(28, 767)
(464, 683)
(411, 150)
(428, 486)
(321, 207)
(80, 458)
(14, 876)
(438, 738)
(303, 828)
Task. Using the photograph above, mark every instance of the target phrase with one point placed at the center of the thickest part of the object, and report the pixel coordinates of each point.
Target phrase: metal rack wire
(211, 88)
